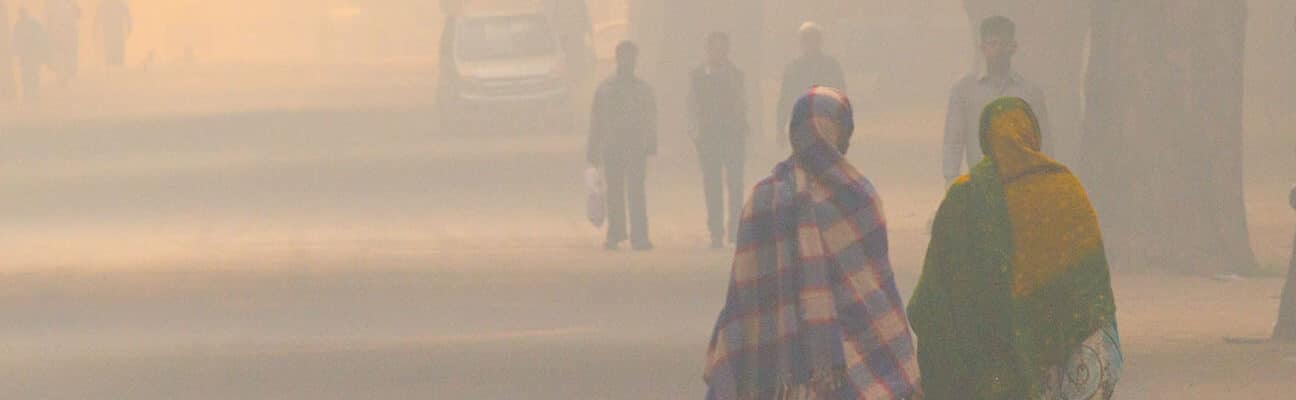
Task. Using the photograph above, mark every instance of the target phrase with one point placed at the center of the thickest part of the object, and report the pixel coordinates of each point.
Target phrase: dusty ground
(333, 249)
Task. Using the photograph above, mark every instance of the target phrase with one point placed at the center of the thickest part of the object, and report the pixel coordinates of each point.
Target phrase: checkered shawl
(812, 310)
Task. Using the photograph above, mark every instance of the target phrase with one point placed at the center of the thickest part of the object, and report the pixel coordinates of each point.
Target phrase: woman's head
(1009, 124)
(822, 119)
(1011, 138)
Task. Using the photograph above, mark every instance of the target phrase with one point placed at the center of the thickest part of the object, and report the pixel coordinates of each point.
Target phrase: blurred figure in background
(1057, 34)
(448, 74)
(572, 22)
(622, 135)
(64, 20)
(970, 96)
(812, 68)
(115, 23)
(717, 110)
(7, 89)
(1285, 330)
(31, 46)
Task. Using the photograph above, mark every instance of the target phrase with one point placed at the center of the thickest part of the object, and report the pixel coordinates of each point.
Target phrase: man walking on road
(7, 87)
(622, 135)
(1285, 330)
(971, 95)
(812, 68)
(31, 47)
(717, 110)
(64, 20)
(115, 23)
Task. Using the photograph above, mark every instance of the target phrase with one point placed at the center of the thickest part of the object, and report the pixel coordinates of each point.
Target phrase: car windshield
(502, 37)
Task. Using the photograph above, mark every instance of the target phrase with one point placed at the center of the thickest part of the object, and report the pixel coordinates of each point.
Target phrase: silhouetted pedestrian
(64, 20)
(717, 109)
(7, 89)
(114, 23)
(31, 47)
(622, 135)
(812, 68)
(970, 96)
(1285, 330)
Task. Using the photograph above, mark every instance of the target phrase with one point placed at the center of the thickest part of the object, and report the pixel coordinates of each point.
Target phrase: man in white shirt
(970, 96)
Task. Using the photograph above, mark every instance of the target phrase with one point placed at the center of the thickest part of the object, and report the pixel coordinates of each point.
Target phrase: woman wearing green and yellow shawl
(1015, 299)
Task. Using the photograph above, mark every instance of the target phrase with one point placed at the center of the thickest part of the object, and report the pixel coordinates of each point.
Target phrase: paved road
(358, 253)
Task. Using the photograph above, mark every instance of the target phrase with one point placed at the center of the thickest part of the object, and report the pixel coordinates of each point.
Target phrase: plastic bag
(596, 197)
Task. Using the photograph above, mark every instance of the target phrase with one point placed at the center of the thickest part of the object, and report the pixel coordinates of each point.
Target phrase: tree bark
(1162, 151)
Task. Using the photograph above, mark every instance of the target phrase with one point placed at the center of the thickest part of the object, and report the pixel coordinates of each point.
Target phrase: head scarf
(1015, 277)
(812, 310)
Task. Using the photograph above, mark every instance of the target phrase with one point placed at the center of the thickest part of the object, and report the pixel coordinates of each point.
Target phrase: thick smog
(647, 199)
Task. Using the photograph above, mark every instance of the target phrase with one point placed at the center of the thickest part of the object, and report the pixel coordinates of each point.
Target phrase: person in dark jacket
(571, 19)
(64, 20)
(622, 135)
(7, 87)
(812, 68)
(717, 109)
(31, 47)
(115, 23)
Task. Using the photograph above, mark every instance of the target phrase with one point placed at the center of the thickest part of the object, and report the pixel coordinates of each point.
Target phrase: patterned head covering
(1010, 135)
(1015, 282)
(822, 117)
(812, 310)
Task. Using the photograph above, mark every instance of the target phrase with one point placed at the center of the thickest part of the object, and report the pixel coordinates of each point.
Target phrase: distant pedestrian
(574, 26)
(622, 135)
(970, 96)
(717, 110)
(7, 85)
(813, 67)
(64, 20)
(1285, 330)
(31, 47)
(115, 24)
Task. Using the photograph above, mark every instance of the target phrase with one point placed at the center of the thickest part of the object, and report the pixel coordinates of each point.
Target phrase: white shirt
(967, 100)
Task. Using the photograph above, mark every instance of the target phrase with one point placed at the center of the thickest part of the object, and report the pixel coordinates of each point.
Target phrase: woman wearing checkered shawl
(812, 310)
(1015, 299)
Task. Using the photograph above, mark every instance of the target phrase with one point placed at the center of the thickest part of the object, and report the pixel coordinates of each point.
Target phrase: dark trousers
(722, 168)
(625, 184)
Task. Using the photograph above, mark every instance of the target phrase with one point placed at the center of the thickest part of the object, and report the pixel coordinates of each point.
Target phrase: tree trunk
(1162, 151)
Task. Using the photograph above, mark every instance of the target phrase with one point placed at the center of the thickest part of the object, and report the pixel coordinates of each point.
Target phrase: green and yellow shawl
(1016, 276)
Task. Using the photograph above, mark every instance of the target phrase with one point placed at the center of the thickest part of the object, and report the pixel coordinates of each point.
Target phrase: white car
(505, 65)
